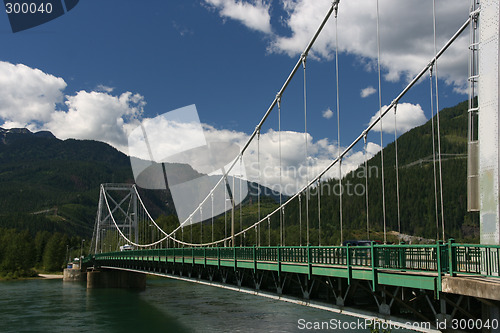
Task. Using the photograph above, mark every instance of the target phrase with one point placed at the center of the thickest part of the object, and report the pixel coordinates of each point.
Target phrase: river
(44, 305)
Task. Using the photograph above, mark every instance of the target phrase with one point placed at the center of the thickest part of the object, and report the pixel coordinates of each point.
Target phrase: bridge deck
(414, 266)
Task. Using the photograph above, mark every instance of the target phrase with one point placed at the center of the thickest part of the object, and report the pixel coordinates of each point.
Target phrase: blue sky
(93, 72)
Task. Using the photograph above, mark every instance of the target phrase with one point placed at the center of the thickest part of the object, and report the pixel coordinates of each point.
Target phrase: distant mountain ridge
(8, 135)
(41, 172)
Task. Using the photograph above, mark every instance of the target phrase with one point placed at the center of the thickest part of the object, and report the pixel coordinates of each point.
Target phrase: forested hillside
(417, 196)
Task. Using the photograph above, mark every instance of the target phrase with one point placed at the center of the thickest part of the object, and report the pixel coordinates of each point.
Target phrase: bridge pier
(73, 274)
(110, 278)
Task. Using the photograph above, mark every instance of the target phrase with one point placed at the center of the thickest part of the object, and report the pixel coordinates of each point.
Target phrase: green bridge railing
(483, 260)
(364, 262)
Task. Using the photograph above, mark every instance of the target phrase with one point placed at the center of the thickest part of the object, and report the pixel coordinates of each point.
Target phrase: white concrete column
(489, 125)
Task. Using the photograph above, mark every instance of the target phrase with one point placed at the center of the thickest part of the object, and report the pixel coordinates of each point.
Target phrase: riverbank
(50, 276)
(35, 276)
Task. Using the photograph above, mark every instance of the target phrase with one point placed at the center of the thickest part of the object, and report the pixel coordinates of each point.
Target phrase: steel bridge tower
(116, 213)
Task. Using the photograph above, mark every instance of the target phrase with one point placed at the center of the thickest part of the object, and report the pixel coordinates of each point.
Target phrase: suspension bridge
(434, 282)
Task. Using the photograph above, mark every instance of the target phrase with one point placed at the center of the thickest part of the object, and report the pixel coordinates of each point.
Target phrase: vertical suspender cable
(397, 164)
(338, 124)
(269, 229)
(284, 234)
(434, 153)
(258, 166)
(340, 203)
(241, 206)
(319, 212)
(256, 234)
(225, 215)
(279, 155)
(381, 129)
(366, 189)
(300, 219)
(304, 56)
(437, 119)
(212, 195)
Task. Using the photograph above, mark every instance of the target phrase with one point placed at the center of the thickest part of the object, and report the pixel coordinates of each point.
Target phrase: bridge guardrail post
(279, 260)
(192, 256)
(439, 269)
(218, 257)
(348, 262)
(452, 260)
(254, 254)
(309, 267)
(373, 253)
(497, 261)
(234, 256)
(204, 256)
(402, 256)
(487, 267)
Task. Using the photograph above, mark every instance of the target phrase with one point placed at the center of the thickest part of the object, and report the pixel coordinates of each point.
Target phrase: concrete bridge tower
(489, 122)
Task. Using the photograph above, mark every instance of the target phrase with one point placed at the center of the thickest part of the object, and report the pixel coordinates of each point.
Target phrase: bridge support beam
(110, 278)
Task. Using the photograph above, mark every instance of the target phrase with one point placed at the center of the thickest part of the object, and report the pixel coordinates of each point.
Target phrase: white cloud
(97, 116)
(28, 95)
(405, 30)
(104, 88)
(327, 114)
(368, 91)
(30, 98)
(406, 33)
(408, 117)
(254, 15)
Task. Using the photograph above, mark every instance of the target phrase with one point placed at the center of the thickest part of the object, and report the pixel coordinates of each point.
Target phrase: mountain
(52, 184)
